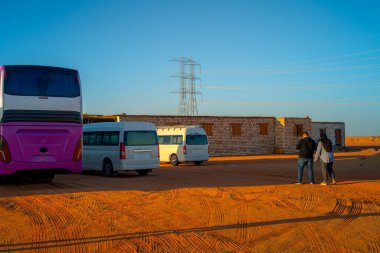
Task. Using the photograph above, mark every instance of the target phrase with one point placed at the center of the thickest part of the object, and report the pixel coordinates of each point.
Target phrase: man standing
(306, 147)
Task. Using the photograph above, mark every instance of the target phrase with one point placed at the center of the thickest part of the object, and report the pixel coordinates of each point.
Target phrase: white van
(180, 144)
(119, 146)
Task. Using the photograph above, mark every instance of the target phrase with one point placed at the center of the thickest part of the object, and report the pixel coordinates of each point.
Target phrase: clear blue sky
(259, 58)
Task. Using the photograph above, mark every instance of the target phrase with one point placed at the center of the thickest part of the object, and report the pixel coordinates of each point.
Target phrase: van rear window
(140, 138)
(196, 139)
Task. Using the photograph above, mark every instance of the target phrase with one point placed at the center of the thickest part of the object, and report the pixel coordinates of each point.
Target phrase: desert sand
(238, 204)
(363, 141)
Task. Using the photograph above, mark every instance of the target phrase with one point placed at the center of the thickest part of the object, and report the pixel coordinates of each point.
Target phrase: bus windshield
(35, 82)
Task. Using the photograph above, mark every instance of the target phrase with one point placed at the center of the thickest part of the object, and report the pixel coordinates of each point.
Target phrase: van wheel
(174, 160)
(107, 168)
(143, 172)
(198, 163)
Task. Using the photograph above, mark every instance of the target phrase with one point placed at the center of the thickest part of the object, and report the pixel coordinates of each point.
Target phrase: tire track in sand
(36, 220)
(372, 241)
(169, 242)
(211, 206)
(309, 200)
(340, 206)
(354, 212)
(242, 231)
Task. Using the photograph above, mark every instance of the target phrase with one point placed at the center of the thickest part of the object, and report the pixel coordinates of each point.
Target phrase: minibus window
(177, 139)
(140, 138)
(193, 139)
(164, 139)
(89, 138)
(101, 138)
(110, 138)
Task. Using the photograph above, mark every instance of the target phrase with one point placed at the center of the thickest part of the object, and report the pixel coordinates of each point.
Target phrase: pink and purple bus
(41, 121)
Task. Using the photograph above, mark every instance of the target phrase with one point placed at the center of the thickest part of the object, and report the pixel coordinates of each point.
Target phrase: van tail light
(122, 151)
(5, 153)
(184, 149)
(158, 151)
(78, 151)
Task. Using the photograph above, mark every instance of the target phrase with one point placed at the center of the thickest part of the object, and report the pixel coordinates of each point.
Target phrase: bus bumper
(56, 167)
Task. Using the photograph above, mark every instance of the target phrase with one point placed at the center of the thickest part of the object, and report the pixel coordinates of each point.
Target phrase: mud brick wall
(287, 135)
(238, 135)
(223, 141)
(331, 131)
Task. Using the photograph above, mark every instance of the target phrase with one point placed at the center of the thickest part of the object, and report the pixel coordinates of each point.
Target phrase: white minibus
(179, 144)
(120, 146)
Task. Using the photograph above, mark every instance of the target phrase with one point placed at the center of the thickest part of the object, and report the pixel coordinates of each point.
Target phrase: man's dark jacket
(306, 147)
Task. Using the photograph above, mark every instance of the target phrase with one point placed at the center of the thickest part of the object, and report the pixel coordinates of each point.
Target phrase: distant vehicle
(180, 144)
(120, 146)
(41, 121)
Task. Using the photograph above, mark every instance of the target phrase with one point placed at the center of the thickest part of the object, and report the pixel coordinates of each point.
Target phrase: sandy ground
(238, 204)
(363, 141)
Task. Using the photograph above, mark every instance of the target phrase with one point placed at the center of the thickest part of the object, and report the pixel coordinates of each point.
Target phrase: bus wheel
(174, 160)
(198, 163)
(47, 178)
(107, 168)
(143, 172)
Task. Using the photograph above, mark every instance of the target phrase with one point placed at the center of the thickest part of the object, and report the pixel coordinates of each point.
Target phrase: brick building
(335, 131)
(235, 135)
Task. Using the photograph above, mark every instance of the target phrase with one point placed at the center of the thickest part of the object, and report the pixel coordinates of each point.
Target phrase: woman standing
(326, 154)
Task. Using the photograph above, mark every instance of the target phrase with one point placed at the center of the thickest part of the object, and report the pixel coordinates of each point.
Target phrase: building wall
(280, 136)
(222, 140)
(331, 131)
(287, 135)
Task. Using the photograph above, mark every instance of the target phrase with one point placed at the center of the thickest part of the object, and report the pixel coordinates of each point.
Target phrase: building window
(236, 129)
(298, 130)
(322, 131)
(263, 128)
(208, 129)
(338, 137)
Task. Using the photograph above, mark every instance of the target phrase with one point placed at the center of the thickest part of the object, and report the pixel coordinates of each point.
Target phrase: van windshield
(41, 83)
(196, 139)
(140, 138)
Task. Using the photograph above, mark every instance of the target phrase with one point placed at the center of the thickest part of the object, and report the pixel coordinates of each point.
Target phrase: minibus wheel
(143, 172)
(107, 168)
(174, 160)
(198, 163)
